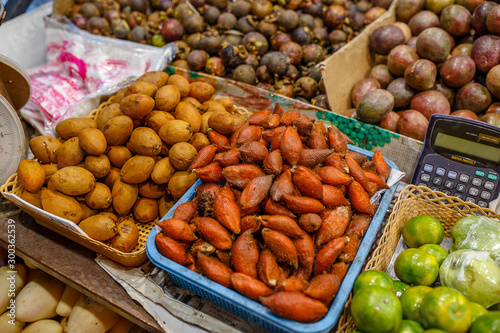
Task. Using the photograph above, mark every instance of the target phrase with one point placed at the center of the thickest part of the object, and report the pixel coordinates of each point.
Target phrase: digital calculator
(461, 158)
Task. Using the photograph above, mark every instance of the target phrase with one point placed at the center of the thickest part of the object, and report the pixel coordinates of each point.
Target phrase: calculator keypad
(476, 188)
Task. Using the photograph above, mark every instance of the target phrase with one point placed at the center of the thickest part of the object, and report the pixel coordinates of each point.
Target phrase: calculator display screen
(467, 147)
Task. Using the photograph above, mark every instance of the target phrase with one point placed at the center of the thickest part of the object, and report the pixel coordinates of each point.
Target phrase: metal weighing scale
(15, 91)
(461, 158)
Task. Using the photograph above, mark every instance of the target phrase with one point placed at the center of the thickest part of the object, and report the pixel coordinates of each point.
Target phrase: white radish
(10, 325)
(67, 301)
(11, 282)
(88, 316)
(44, 326)
(38, 299)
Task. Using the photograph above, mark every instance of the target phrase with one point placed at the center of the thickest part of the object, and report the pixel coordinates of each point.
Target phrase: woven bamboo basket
(135, 257)
(413, 201)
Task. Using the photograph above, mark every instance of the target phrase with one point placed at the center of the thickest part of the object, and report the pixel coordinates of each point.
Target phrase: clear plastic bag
(478, 233)
(81, 67)
(474, 274)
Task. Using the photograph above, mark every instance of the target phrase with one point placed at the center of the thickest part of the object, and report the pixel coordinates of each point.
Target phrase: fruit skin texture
(422, 229)
(295, 305)
(411, 299)
(417, 267)
(372, 278)
(489, 322)
(376, 310)
(447, 309)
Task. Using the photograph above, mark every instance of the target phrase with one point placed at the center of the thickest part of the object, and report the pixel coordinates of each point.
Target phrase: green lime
(447, 309)
(487, 323)
(409, 326)
(376, 309)
(437, 251)
(411, 299)
(422, 229)
(416, 267)
(373, 278)
(477, 310)
(399, 287)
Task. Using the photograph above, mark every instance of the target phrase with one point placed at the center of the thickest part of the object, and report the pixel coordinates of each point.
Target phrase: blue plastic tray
(253, 311)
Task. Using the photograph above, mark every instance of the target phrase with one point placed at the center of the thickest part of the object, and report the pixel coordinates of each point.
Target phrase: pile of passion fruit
(441, 56)
(274, 44)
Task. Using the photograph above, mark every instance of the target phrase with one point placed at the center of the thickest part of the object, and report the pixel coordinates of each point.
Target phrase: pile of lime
(410, 305)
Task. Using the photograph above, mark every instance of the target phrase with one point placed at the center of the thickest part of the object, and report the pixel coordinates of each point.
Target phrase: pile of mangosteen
(441, 56)
(274, 44)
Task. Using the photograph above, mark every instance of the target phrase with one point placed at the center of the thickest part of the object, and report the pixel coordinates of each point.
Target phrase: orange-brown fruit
(224, 257)
(202, 246)
(213, 232)
(360, 200)
(289, 117)
(259, 117)
(358, 225)
(313, 157)
(249, 286)
(204, 157)
(268, 269)
(306, 253)
(336, 160)
(171, 249)
(323, 287)
(253, 152)
(227, 192)
(230, 157)
(291, 146)
(333, 225)
(211, 173)
(240, 175)
(376, 179)
(178, 230)
(339, 269)
(332, 176)
(270, 134)
(278, 109)
(304, 125)
(283, 224)
(357, 173)
(333, 196)
(351, 248)
(276, 143)
(227, 211)
(303, 205)
(281, 246)
(336, 140)
(217, 139)
(250, 222)
(316, 141)
(255, 191)
(281, 186)
(185, 211)
(307, 182)
(273, 163)
(248, 133)
(328, 254)
(295, 306)
(381, 166)
(272, 121)
(294, 283)
(215, 270)
(245, 254)
(310, 222)
(274, 208)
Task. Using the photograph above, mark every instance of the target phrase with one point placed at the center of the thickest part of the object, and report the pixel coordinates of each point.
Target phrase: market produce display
(437, 58)
(469, 282)
(280, 214)
(41, 303)
(274, 44)
(130, 162)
